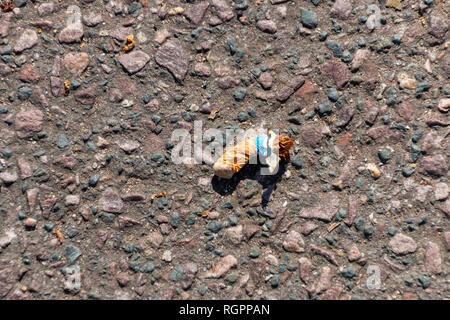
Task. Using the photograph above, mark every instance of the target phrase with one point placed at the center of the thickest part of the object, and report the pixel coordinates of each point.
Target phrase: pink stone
(353, 253)
(28, 120)
(403, 244)
(322, 210)
(294, 242)
(433, 260)
(110, 201)
(76, 63)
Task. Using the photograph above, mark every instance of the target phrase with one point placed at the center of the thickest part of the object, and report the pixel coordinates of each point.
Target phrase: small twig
(333, 226)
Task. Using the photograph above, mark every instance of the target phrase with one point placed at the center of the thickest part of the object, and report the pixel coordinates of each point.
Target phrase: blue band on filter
(261, 146)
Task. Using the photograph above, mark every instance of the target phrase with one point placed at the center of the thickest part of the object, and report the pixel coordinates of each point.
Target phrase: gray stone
(308, 18)
(110, 201)
(62, 141)
(384, 155)
(239, 94)
(297, 162)
(335, 47)
(267, 26)
(348, 272)
(72, 254)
